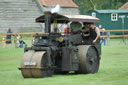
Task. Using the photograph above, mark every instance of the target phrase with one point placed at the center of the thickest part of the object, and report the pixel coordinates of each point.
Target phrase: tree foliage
(86, 5)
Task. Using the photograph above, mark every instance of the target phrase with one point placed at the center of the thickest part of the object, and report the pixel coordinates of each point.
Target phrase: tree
(87, 5)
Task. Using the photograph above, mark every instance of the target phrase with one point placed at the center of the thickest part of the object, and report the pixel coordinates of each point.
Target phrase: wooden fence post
(107, 40)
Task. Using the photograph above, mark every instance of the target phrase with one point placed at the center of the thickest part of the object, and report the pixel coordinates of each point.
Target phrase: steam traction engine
(54, 52)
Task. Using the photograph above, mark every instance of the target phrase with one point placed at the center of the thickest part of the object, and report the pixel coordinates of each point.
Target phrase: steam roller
(53, 52)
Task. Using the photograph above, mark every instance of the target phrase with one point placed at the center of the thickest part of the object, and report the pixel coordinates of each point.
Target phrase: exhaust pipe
(47, 22)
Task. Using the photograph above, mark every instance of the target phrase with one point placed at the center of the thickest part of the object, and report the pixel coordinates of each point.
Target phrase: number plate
(29, 63)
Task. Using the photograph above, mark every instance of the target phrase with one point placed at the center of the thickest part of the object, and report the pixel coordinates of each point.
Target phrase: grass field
(113, 69)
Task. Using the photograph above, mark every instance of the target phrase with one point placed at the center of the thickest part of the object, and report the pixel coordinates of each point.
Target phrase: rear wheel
(89, 59)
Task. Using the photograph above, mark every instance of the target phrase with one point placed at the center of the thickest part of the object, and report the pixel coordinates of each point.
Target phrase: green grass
(113, 69)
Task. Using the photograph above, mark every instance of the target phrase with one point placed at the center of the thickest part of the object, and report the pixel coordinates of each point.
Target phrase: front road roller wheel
(33, 65)
(89, 59)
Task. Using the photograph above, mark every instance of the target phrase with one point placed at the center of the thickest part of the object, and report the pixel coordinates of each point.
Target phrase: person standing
(66, 31)
(103, 39)
(94, 34)
(9, 37)
(18, 41)
(100, 27)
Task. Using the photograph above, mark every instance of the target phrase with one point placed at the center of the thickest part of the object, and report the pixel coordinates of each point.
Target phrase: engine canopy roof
(68, 18)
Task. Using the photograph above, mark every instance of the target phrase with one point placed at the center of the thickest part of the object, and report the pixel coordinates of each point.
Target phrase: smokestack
(48, 15)
(47, 22)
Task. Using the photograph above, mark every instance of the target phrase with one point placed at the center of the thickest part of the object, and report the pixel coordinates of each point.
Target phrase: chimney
(47, 22)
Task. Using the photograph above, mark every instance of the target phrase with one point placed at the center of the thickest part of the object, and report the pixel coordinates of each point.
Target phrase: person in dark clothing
(85, 33)
(85, 30)
(94, 33)
(9, 37)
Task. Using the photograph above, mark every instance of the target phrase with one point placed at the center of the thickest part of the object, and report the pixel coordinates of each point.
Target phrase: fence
(33, 33)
